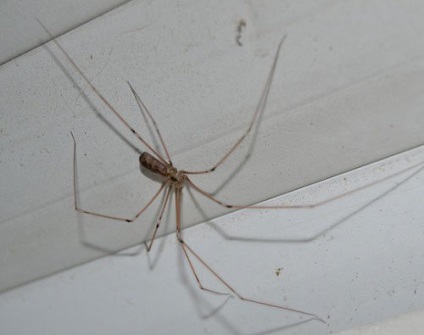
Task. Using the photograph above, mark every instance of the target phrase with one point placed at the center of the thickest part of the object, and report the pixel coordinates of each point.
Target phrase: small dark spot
(128, 220)
(132, 130)
(157, 226)
(278, 271)
(213, 169)
(229, 206)
(240, 27)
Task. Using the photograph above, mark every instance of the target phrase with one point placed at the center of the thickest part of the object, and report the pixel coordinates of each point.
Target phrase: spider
(174, 180)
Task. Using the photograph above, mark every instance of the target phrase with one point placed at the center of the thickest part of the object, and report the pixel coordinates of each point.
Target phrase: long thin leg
(80, 210)
(311, 205)
(243, 298)
(188, 250)
(178, 232)
(259, 109)
(159, 219)
(105, 101)
(143, 108)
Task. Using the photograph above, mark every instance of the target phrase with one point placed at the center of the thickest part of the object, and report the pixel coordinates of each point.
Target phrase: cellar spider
(174, 180)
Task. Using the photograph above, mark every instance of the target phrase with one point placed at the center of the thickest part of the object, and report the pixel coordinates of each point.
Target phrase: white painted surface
(410, 323)
(347, 91)
(20, 32)
(360, 261)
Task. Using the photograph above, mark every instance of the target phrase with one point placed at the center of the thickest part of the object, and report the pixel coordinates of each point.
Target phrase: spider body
(166, 170)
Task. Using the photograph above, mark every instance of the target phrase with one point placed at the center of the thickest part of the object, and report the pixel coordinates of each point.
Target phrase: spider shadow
(81, 232)
(194, 293)
(139, 247)
(247, 155)
(311, 238)
(87, 99)
(214, 311)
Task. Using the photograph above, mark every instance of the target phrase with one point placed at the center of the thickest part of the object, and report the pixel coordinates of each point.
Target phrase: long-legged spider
(174, 180)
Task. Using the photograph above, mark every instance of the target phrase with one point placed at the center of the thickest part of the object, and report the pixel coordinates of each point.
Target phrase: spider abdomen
(153, 164)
